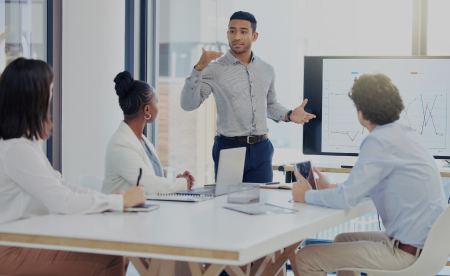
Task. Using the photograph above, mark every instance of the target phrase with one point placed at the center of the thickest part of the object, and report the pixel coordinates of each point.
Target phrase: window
(23, 32)
(438, 24)
(185, 139)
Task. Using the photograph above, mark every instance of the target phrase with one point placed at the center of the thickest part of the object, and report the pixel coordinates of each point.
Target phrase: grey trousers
(374, 250)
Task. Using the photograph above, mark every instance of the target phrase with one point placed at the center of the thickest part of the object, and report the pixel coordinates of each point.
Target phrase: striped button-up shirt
(244, 96)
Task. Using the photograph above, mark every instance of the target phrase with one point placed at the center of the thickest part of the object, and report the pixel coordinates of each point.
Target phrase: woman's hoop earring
(149, 116)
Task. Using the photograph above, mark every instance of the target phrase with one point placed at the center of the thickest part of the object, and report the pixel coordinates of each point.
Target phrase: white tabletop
(203, 225)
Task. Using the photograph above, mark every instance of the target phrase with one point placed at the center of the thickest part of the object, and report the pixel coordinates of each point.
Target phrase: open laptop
(230, 171)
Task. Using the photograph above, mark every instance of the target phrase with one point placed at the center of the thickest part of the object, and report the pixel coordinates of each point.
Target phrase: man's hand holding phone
(300, 188)
(303, 185)
(322, 182)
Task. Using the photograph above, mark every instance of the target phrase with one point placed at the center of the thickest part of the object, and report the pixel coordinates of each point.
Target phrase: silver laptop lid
(231, 169)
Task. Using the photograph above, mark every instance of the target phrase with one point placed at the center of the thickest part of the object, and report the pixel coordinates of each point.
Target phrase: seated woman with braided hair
(128, 150)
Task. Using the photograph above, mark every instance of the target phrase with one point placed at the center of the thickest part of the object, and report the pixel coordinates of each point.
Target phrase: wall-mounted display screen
(423, 83)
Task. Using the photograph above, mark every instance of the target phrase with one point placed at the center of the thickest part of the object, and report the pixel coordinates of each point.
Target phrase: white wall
(93, 53)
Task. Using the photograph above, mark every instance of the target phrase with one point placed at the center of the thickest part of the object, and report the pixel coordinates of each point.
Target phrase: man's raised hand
(300, 116)
(206, 58)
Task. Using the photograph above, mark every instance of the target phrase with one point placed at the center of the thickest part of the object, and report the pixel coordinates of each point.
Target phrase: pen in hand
(139, 177)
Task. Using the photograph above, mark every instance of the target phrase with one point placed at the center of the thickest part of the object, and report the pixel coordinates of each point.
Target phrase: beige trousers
(30, 261)
(374, 250)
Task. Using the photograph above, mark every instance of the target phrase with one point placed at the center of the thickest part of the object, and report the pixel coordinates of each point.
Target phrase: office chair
(433, 257)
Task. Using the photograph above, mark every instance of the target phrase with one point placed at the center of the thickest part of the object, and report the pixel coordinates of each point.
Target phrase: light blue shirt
(400, 175)
(155, 162)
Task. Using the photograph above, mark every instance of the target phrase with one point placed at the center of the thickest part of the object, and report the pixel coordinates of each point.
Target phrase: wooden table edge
(289, 168)
(120, 246)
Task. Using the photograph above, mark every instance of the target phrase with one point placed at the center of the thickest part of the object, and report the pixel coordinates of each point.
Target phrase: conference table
(197, 233)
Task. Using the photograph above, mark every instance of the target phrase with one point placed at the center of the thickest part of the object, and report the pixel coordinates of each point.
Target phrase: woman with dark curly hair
(398, 172)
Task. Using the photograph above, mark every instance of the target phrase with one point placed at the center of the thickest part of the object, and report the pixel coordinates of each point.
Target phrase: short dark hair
(245, 16)
(377, 98)
(132, 93)
(25, 100)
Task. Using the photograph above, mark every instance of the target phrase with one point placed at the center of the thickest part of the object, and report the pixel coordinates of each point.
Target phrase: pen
(276, 187)
(139, 177)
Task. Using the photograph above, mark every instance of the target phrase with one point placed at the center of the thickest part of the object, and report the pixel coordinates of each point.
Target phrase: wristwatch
(289, 116)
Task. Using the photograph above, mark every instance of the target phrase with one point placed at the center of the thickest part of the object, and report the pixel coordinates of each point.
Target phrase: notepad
(175, 197)
(143, 208)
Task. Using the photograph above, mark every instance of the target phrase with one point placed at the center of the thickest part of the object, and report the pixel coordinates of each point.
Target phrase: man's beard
(239, 52)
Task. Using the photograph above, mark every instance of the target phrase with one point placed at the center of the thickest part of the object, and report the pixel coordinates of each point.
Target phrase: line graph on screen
(425, 111)
(427, 115)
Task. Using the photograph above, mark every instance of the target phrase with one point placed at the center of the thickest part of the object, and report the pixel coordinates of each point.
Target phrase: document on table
(261, 209)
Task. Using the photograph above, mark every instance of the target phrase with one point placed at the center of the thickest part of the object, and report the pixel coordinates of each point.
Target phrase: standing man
(243, 86)
(397, 170)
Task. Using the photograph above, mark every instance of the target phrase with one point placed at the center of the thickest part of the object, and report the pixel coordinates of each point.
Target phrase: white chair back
(436, 249)
(90, 181)
(433, 257)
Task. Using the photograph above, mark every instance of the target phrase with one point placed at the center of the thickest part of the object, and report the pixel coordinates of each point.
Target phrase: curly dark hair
(377, 98)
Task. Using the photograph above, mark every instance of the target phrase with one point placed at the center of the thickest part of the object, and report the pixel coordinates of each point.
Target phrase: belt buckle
(248, 140)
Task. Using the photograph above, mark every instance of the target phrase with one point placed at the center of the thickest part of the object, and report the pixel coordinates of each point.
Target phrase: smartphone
(305, 169)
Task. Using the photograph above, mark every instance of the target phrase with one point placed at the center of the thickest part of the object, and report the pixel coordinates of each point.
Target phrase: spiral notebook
(183, 198)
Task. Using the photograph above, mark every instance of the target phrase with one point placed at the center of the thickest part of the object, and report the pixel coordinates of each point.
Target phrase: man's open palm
(300, 116)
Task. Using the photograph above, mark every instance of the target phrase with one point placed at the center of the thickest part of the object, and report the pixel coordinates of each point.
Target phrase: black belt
(248, 139)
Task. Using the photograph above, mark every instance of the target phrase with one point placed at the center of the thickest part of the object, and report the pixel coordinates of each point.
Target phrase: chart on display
(423, 83)
(423, 86)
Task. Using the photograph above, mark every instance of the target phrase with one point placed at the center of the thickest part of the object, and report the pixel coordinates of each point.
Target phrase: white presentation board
(423, 86)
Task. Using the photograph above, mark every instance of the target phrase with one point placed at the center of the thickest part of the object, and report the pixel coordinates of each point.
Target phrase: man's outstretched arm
(299, 115)
(277, 112)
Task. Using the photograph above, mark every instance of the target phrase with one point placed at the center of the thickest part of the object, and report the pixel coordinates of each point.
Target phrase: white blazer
(30, 187)
(124, 156)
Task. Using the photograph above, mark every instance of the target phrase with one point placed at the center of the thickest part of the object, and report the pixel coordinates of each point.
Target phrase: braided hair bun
(124, 81)
(132, 93)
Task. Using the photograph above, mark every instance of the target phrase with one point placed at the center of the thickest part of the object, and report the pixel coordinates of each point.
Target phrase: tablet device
(305, 169)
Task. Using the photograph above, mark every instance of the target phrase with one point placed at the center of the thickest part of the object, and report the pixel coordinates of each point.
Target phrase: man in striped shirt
(243, 86)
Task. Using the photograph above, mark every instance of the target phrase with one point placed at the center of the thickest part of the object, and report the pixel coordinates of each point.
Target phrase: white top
(124, 156)
(399, 173)
(29, 186)
(203, 225)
